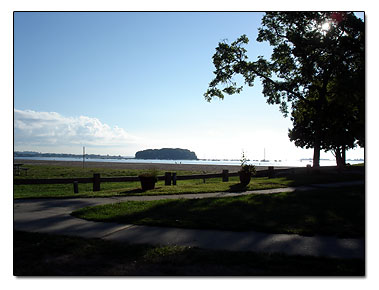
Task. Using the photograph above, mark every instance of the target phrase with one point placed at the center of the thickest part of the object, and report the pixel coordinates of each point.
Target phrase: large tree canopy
(317, 65)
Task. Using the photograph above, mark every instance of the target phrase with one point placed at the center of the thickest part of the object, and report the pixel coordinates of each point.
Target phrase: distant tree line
(166, 154)
(64, 155)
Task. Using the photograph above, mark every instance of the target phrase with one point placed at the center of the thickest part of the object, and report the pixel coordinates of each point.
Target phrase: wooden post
(270, 171)
(225, 175)
(167, 178)
(96, 182)
(309, 169)
(84, 154)
(174, 178)
(76, 187)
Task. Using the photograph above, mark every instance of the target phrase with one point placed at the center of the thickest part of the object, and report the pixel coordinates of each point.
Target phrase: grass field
(48, 171)
(134, 188)
(50, 255)
(339, 212)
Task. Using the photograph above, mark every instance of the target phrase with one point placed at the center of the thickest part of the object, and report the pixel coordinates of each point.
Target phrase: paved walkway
(53, 216)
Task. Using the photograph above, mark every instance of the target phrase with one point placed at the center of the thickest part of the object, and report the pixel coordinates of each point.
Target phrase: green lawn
(338, 212)
(134, 188)
(47, 171)
(50, 255)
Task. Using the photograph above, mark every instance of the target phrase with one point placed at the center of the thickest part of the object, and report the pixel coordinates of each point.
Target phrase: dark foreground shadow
(59, 255)
(132, 191)
(239, 187)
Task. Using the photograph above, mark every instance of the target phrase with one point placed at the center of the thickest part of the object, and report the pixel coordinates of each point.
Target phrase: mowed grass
(134, 188)
(125, 188)
(47, 171)
(85, 189)
(339, 212)
(52, 255)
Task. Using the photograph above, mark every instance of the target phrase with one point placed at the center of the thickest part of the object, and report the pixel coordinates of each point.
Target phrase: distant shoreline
(140, 166)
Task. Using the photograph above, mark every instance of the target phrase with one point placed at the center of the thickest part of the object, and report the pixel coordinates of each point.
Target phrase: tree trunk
(344, 155)
(337, 153)
(340, 157)
(316, 153)
(320, 104)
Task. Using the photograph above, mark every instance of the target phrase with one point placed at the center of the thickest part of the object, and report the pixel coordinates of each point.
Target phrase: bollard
(167, 178)
(309, 169)
(225, 175)
(174, 178)
(76, 187)
(96, 182)
(270, 171)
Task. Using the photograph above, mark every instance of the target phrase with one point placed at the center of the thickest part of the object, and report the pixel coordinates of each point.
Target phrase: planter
(147, 182)
(245, 177)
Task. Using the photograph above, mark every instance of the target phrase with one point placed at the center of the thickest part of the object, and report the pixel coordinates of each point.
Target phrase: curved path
(53, 216)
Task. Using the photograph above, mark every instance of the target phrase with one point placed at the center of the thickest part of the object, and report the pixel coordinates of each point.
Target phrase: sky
(120, 82)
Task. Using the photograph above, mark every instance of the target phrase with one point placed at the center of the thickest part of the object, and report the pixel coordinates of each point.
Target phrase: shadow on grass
(339, 212)
(52, 255)
(239, 187)
(139, 191)
(300, 176)
(132, 191)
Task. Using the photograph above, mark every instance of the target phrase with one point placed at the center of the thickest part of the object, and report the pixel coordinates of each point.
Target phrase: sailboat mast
(264, 154)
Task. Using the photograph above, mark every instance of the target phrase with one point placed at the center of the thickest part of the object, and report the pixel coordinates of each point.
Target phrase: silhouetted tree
(315, 54)
(338, 128)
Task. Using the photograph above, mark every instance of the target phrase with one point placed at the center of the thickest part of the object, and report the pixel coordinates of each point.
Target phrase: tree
(338, 131)
(314, 54)
(343, 116)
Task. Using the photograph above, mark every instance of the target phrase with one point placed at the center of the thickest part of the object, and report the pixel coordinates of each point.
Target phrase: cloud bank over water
(51, 129)
(51, 132)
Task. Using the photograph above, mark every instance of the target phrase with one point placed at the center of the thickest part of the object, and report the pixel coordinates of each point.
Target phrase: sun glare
(325, 26)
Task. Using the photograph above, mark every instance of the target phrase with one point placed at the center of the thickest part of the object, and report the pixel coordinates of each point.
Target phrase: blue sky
(122, 82)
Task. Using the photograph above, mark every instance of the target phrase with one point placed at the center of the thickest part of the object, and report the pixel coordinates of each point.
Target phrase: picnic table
(17, 169)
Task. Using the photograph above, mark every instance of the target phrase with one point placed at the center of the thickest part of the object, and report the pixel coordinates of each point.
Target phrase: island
(166, 154)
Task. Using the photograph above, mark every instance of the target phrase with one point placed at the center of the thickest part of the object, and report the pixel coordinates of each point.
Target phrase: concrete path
(53, 216)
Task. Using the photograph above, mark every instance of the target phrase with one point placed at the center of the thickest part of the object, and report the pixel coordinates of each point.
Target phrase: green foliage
(248, 168)
(320, 71)
(149, 173)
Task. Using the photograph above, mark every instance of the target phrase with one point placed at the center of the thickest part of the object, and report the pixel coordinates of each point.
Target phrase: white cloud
(52, 129)
(52, 132)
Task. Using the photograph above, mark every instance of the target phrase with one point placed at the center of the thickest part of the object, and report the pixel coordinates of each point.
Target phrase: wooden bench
(17, 169)
(24, 169)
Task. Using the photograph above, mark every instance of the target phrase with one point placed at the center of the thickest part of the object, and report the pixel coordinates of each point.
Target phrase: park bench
(24, 169)
(17, 169)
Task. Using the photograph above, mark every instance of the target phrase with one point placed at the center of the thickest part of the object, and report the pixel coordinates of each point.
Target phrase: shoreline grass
(134, 188)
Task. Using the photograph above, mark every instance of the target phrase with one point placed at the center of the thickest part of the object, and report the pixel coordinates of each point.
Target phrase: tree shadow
(110, 258)
(239, 187)
(135, 191)
(132, 191)
(319, 212)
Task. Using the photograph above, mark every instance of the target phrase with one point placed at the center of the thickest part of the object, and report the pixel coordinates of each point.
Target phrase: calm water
(291, 163)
